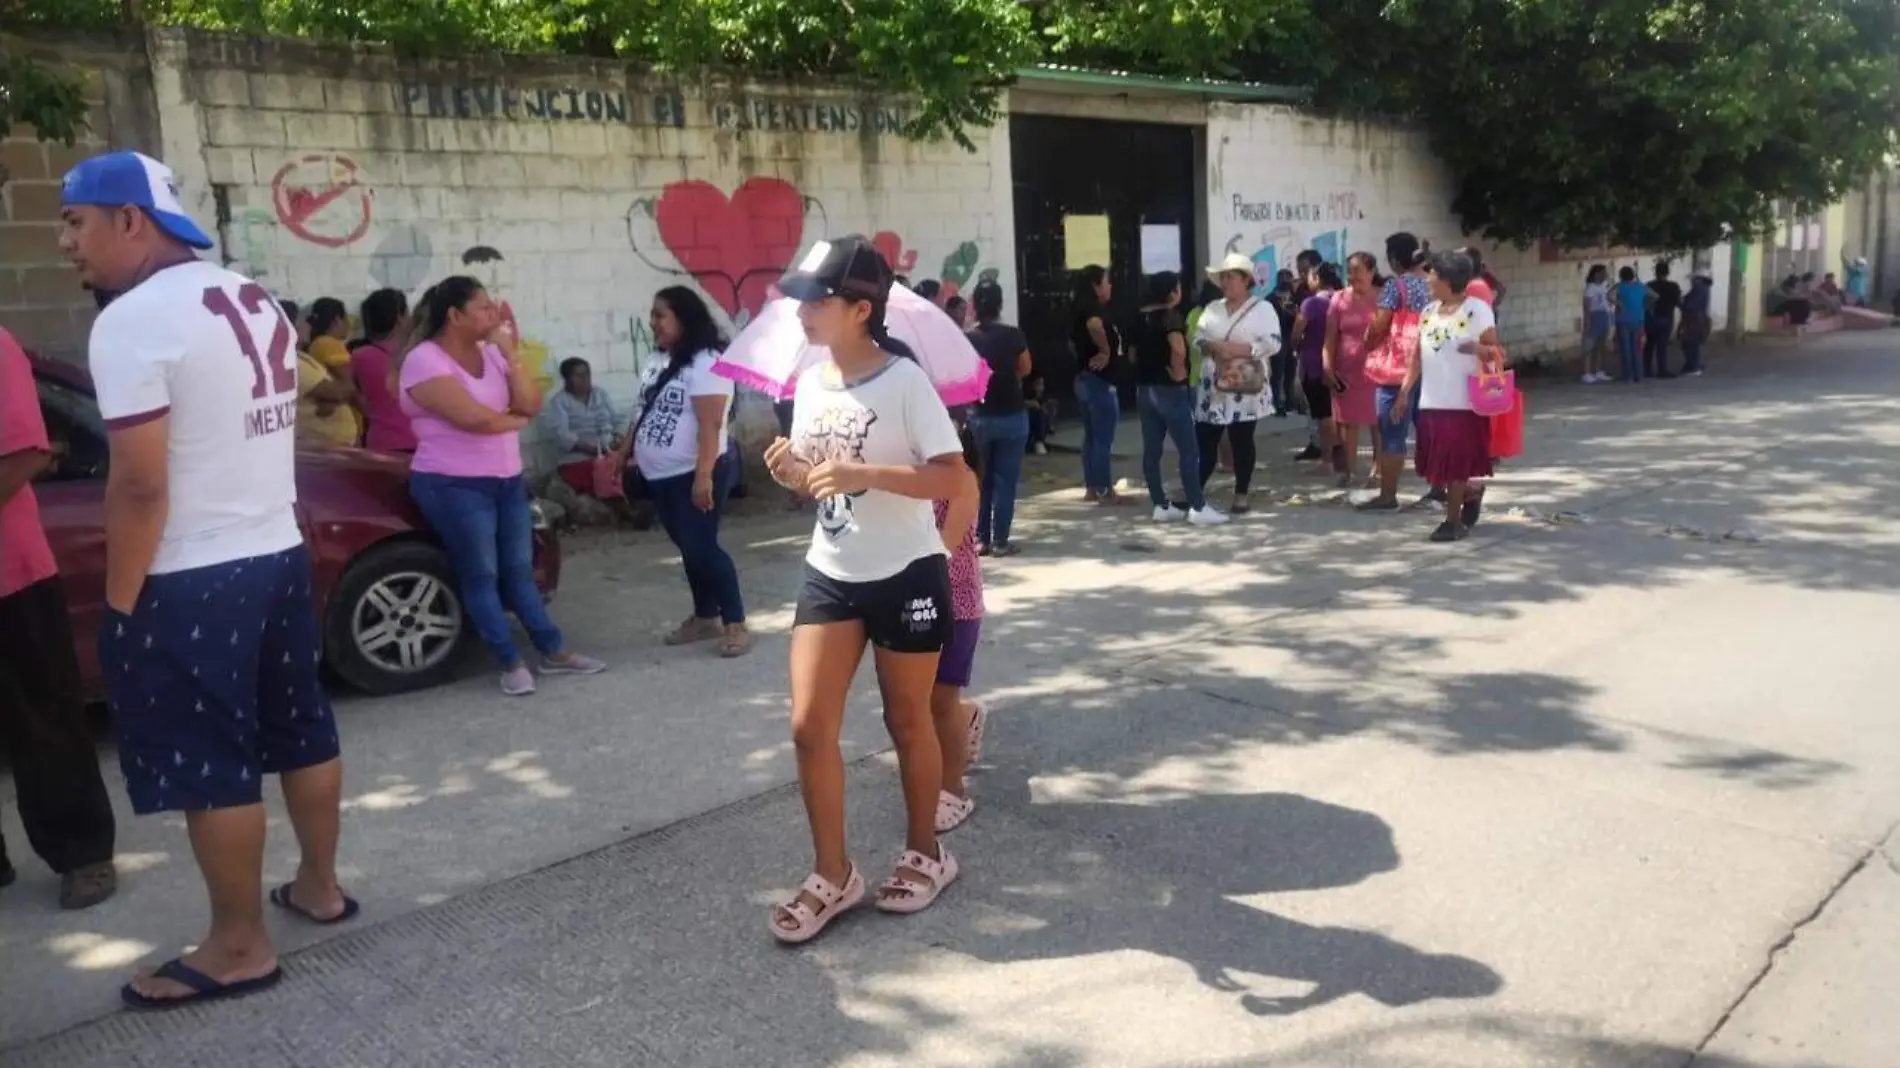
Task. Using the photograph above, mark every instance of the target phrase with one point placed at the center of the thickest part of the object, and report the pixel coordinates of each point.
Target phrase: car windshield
(74, 428)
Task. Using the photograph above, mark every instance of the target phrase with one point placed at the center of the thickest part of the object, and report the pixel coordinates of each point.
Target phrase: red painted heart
(736, 248)
(891, 247)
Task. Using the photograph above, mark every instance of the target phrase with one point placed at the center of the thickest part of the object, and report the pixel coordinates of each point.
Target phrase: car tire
(395, 621)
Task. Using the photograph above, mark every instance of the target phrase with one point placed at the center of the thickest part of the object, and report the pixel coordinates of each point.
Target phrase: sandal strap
(823, 889)
(922, 865)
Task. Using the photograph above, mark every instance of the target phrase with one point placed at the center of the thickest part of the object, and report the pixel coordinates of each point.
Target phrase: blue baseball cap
(132, 180)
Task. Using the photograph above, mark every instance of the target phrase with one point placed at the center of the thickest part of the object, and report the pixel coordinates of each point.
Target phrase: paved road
(1303, 791)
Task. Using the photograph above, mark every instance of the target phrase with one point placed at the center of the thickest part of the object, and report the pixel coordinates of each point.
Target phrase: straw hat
(1234, 261)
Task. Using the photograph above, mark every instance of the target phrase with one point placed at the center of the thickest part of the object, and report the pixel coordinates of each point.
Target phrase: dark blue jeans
(710, 573)
(1168, 412)
(1629, 347)
(1101, 412)
(1001, 442)
(485, 525)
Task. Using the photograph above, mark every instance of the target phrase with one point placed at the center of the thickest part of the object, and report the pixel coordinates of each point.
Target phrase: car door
(71, 493)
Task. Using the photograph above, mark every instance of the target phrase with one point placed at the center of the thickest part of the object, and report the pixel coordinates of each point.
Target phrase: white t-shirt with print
(1444, 371)
(892, 418)
(667, 443)
(213, 351)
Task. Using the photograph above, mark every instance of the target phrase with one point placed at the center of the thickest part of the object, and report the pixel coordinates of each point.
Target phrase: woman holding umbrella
(873, 442)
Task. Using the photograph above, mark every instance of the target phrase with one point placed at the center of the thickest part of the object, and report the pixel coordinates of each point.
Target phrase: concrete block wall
(575, 189)
(1280, 181)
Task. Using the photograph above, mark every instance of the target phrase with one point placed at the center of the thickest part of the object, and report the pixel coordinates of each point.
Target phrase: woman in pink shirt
(467, 398)
(385, 313)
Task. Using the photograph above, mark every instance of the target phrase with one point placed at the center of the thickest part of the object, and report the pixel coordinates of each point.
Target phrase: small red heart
(735, 248)
(891, 247)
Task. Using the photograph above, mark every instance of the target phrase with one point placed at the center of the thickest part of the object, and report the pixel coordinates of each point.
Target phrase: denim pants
(710, 573)
(1168, 412)
(1629, 346)
(1100, 414)
(485, 525)
(1001, 442)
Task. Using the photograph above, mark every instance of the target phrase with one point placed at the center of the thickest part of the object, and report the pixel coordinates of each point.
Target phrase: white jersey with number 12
(213, 352)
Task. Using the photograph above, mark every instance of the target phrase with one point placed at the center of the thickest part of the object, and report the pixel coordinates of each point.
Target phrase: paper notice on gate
(1160, 248)
(1084, 241)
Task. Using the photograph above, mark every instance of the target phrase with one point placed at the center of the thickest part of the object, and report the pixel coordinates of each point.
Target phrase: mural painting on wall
(323, 198)
(1288, 226)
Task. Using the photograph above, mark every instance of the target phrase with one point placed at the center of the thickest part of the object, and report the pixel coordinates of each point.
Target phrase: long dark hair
(326, 312)
(1402, 251)
(433, 308)
(987, 299)
(382, 312)
(698, 333)
(1161, 286)
(1370, 263)
(1087, 304)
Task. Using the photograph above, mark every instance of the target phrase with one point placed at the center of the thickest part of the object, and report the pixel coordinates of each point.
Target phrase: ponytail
(880, 335)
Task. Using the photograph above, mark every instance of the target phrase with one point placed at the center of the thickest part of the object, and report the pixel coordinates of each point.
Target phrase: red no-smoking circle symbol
(323, 198)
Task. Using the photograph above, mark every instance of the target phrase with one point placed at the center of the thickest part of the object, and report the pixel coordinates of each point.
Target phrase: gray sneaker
(517, 681)
(572, 664)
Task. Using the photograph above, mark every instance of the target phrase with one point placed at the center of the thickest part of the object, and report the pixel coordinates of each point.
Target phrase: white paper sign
(1160, 248)
(1800, 233)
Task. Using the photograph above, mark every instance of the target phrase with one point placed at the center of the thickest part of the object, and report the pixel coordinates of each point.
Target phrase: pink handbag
(1493, 390)
(608, 471)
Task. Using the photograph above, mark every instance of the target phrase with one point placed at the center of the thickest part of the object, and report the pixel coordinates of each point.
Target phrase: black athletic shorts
(910, 612)
(1319, 398)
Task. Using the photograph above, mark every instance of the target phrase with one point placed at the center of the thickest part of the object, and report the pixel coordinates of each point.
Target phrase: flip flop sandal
(973, 735)
(953, 811)
(203, 987)
(918, 896)
(833, 900)
(281, 898)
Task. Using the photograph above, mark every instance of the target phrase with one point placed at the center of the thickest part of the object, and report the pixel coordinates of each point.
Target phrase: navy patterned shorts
(213, 683)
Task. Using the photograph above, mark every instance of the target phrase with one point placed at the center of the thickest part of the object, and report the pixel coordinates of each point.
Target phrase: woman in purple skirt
(1454, 442)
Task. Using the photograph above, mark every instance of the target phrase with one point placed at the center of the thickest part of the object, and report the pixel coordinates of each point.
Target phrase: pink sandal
(953, 811)
(918, 896)
(834, 902)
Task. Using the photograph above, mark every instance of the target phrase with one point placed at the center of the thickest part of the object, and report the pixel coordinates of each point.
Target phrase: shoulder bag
(1244, 377)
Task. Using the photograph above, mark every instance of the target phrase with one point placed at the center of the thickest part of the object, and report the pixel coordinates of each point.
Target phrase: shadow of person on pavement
(1161, 874)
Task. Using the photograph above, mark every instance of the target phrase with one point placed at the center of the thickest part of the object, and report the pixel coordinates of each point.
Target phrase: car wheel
(395, 622)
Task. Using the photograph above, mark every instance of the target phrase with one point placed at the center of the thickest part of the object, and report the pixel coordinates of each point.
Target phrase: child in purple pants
(959, 723)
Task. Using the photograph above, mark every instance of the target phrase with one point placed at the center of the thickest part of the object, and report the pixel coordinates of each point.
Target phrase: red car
(392, 618)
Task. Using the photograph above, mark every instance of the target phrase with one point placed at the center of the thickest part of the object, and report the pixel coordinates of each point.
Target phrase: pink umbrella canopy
(771, 352)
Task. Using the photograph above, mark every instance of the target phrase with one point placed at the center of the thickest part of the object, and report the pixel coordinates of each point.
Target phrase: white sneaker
(1168, 513)
(1207, 517)
(1590, 379)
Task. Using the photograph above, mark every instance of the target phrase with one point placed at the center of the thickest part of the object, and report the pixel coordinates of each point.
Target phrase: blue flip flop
(203, 987)
(281, 898)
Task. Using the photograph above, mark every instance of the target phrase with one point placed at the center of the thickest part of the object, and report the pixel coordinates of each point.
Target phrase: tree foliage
(1656, 123)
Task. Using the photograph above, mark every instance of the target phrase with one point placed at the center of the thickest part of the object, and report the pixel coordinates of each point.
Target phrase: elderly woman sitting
(582, 419)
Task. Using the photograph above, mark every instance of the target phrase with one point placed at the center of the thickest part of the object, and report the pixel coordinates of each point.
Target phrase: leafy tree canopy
(1654, 123)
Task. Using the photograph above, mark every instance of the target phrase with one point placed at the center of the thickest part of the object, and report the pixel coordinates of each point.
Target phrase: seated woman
(582, 419)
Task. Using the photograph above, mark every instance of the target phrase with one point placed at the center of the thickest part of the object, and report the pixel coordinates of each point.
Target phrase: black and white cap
(849, 267)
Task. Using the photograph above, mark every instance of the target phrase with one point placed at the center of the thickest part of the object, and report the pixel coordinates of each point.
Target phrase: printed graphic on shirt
(661, 422)
(920, 615)
(838, 433)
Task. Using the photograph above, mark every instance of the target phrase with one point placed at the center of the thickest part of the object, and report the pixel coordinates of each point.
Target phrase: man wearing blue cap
(209, 644)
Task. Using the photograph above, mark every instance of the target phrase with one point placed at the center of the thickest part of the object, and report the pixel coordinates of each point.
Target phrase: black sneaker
(1311, 452)
(1378, 504)
(1472, 511)
(1448, 531)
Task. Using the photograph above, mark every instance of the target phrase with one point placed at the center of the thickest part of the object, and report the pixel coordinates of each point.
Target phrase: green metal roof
(1128, 81)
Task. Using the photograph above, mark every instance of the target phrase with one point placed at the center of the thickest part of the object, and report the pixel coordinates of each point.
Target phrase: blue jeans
(1101, 412)
(1001, 442)
(1629, 346)
(1168, 412)
(710, 573)
(485, 525)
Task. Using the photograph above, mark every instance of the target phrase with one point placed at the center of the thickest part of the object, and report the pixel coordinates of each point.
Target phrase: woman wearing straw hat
(1236, 335)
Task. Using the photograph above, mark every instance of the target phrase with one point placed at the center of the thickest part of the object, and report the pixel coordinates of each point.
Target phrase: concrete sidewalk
(1300, 791)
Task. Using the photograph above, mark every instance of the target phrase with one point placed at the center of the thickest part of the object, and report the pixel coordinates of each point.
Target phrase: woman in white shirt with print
(1236, 336)
(874, 445)
(1454, 443)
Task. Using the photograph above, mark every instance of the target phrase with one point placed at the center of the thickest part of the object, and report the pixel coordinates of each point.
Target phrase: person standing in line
(681, 446)
(1697, 323)
(1237, 335)
(44, 735)
(1166, 402)
(1000, 423)
(873, 443)
(1344, 358)
(959, 723)
(385, 316)
(1632, 300)
(329, 326)
(1596, 323)
(1392, 345)
(1097, 344)
(1309, 344)
(209, 642)
(1660, 323)
(1484, 286)
(326, 400)
(1457, 335)
(467, 395)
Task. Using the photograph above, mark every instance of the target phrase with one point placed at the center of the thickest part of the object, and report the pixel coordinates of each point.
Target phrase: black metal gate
(1134, 173)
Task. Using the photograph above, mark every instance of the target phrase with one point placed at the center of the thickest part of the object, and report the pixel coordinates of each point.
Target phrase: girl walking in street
(959, 723)
(681, 447)
(872, 442)
(467, 396)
